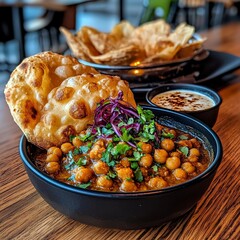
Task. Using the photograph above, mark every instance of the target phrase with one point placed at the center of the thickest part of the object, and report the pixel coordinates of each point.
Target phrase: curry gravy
(183, 100)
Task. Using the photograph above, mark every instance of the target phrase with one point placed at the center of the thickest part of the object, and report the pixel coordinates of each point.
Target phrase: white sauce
(183, 100)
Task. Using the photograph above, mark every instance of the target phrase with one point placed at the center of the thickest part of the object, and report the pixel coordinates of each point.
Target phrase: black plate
(144, 72)
(215, 66)
(103, 67)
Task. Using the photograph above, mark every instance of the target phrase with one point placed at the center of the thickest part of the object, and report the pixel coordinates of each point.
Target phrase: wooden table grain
(25, 215)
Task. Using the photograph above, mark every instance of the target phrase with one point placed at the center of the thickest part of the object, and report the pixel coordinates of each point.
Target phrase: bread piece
(51, 97)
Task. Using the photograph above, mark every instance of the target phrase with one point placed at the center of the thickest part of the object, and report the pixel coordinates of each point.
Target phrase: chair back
(6, 24)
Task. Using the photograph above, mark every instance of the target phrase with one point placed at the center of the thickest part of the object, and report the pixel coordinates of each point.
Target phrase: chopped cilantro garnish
(138, 175)
(134, 165)
(155, 168)
(145, 115)
(83, 185)
(111, 175)
(72, 178)
(119, 149)
(76, 152)
(70, 165)
(183, 137)
(136, 156)
(184, 150)
(107, 156)
(82, 161)
(128, 179)
(84, 149)
(167, 135)
(71, 137)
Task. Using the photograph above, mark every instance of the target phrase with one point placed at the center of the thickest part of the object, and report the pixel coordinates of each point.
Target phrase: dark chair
(6, 35)
(199, 13)
(47, 29)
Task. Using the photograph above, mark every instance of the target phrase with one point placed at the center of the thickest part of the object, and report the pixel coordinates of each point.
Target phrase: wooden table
(25, 215)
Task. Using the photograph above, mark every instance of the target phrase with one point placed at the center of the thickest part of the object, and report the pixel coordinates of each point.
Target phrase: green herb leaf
(82, 161)
(107, 156)
(184, 150)
(126, 136)
(71, 137)
(83, 185)
(183, 137)
(130, 120)
(76, 152)
(138, 175)
(134, 165)
(84, 149)
(72, 178)
(145, 115)
(87, 136)
(167, 135)
(70, 165)
(111, 174)
(155, 168)
(107, 132)
(120, 148)
(136, 156)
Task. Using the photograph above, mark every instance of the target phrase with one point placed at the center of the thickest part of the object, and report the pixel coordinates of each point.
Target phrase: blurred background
(27, 28)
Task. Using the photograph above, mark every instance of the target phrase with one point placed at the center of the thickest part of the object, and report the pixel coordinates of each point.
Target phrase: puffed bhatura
(52, 96)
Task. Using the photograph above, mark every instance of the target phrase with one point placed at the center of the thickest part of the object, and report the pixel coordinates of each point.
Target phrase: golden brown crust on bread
(51, 96)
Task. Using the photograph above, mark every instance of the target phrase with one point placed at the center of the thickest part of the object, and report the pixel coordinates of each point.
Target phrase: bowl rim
(127, 195)
(185, 86)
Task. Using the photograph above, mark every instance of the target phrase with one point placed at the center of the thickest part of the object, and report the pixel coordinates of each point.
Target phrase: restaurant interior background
(103, 15)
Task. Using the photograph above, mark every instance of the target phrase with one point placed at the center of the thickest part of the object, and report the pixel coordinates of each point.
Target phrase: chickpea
(157, 183)
(96, 152)
(52, 167)
(77, 142)
(160, 155)
(128, 186)
(104, 182)
(167, 144)
(67, 147)
(55, 150)
(143, 187)
(188, 167)
(185, 143)
(144, 171)
(124, 173)
(179, 173)
(163, 171)
(100, 143)
(193, 158)
(173, 163)
(146, 160)
(146, 147)
(83, 174)
(194, 152)
(200, 166)
(175, 154)
(195, 143)
(52, 158)
(125, 162)
(100, 167)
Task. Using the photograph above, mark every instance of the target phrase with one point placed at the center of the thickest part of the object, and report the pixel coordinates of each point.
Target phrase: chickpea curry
(126, 150)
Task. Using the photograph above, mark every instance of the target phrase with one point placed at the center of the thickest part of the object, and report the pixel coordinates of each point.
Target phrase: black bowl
(208, 116)
(129, 210)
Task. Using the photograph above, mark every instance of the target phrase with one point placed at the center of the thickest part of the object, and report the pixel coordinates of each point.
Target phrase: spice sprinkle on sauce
(183, 100)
